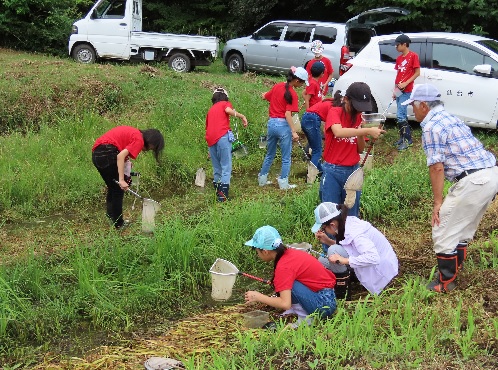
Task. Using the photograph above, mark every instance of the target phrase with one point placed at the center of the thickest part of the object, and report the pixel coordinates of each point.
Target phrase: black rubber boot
(400, 130)
(448, 269)
(461, 250)
(343, 285)
(406, 135)
(222, 192)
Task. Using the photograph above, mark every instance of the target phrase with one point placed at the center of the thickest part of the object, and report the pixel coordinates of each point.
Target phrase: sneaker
(124, 225)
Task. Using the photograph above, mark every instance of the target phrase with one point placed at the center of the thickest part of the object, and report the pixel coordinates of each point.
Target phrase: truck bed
(171, 41)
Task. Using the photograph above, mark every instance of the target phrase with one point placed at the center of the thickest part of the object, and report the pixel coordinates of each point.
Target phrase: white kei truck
(112, 29)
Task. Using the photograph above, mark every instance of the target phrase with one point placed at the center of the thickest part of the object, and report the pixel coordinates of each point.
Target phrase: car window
(327, 35)
(271, 31)
(298, 32)
(494, 65)
(389, 54)
(455, 58)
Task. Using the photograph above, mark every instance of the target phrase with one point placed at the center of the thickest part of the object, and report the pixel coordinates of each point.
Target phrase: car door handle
(376, 67)
(122, 24)
(274, 45)
(434, 77)
(302, 47)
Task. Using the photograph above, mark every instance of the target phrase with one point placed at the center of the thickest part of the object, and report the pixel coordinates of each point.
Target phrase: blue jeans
(221, 159)
(322, 301)
(332, 185)
(310, 123)
(401, 113)
(280, 133)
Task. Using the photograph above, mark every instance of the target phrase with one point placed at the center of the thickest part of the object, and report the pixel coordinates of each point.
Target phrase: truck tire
(84, 53)
(179, 62)
(235, 63)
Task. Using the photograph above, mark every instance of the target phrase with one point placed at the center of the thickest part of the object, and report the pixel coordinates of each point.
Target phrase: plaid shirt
(446, 139)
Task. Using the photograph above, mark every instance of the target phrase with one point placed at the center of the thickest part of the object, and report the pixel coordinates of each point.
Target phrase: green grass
(77, 276)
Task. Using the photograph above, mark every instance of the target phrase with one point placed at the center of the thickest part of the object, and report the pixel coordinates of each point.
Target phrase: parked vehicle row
(463, 67)
(278, 45)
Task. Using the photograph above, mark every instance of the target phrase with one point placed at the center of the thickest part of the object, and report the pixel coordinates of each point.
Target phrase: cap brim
(249, 243)
(316, 227)
(362, 106)
(407, 102)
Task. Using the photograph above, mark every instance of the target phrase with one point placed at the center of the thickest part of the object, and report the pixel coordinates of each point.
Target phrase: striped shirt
(446, 139)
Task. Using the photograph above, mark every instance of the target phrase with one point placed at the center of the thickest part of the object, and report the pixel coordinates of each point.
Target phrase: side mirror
(483, 70)
(255, 36)
(94, 14)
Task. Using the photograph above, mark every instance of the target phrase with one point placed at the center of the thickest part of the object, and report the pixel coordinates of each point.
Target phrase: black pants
(105, 158)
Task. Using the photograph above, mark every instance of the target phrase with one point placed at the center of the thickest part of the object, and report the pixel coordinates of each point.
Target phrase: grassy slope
(76, 276)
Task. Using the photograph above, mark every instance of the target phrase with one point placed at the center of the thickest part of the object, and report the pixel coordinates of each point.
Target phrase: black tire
(179, 62)
(84, 53)
(235, 63)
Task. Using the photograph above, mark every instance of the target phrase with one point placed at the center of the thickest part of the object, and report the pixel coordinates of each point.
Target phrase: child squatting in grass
(298, 277)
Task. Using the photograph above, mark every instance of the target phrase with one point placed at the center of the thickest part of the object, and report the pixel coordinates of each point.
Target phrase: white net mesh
(149, 210)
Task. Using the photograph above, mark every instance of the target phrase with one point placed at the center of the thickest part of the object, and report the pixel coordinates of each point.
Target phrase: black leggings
(105, 159)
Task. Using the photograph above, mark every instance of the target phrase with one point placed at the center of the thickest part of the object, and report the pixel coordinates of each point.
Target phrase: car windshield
(489, 44)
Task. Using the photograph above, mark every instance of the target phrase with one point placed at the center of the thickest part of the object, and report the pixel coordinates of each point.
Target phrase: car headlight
(74, 31)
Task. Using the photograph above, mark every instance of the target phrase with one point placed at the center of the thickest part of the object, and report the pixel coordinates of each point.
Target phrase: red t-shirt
(340, 151)
(322, 109)
(217, 122)
(278, 104)
(303, 267)
(314, 90)
(406, 65)
(123, 137)
(329, 70)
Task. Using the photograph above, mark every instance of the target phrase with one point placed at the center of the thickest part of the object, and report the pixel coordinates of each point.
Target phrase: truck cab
(112, 29)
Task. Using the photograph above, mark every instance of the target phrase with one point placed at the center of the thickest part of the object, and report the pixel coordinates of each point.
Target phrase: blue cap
(266, 237)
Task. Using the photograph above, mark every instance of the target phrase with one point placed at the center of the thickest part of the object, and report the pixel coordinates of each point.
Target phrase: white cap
(302, 74)
(423, 92)
(325, 211)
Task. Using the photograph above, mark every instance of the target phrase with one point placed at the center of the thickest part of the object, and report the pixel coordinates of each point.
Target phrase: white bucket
(223, 275)
(149, 209)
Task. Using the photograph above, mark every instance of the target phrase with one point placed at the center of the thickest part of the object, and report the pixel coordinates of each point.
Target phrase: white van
(278, 45)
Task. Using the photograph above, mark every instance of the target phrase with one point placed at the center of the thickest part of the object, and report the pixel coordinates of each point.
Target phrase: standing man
(408, 69)
(455, 154)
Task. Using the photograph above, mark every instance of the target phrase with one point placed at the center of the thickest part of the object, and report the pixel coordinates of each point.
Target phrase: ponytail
(287, 94)
(280, 252)
(341, 221)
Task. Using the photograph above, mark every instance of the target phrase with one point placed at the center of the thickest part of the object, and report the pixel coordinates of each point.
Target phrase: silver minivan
(278, 45)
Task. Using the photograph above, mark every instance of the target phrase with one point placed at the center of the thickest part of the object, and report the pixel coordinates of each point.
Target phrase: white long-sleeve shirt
(371, 256)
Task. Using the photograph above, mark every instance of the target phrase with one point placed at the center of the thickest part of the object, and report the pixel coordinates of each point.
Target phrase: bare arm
(306, 98)
(236, 114)
(121, 161)
(282, 302)
(343, 132)
(404, 84)
(436, 173)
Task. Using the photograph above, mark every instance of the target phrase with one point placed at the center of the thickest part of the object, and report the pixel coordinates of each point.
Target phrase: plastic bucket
(255, 319)
(223, 276)
(149, 210)
(262, 142)
(372, 119)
